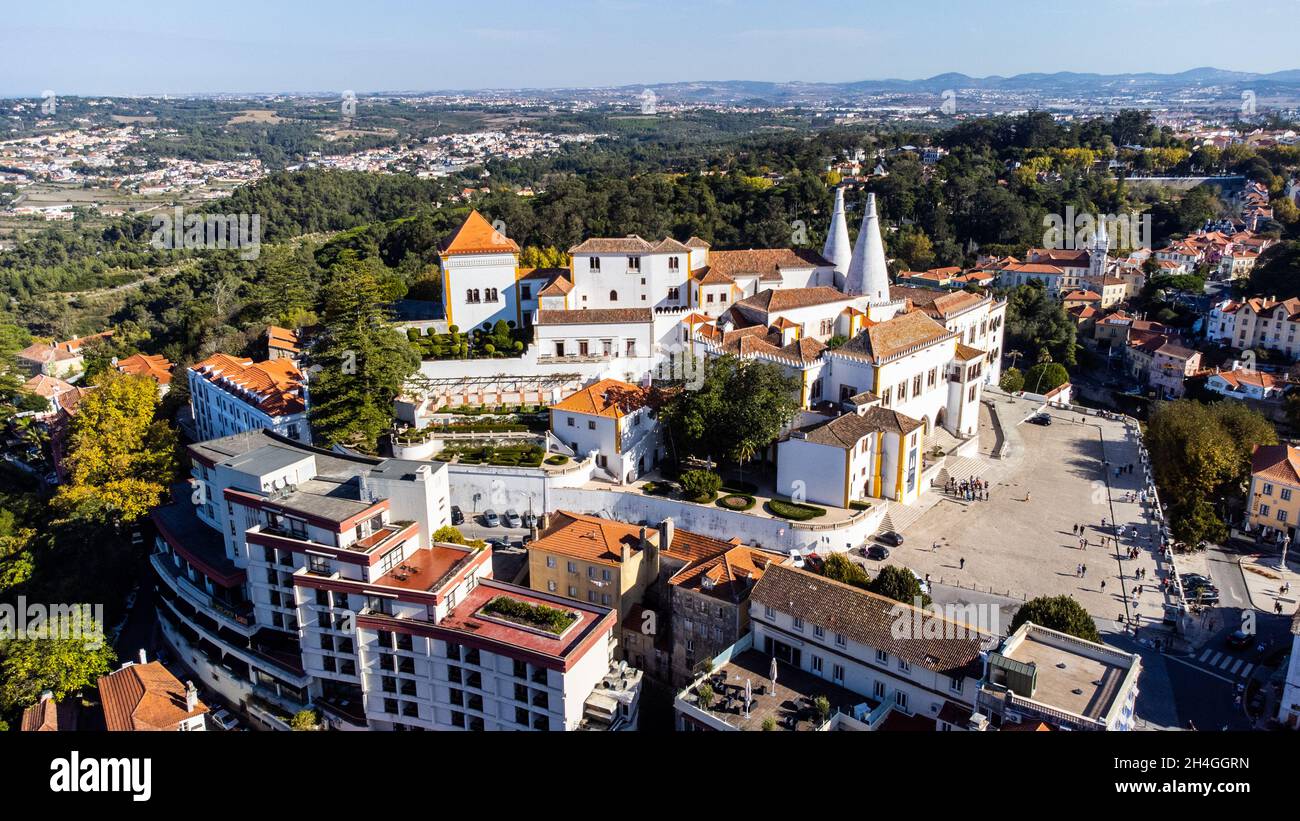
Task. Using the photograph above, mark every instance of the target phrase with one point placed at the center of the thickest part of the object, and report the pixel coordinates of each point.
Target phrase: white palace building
(625, 305)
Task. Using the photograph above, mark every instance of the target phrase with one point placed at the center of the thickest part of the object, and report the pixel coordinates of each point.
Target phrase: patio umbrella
(772, 673)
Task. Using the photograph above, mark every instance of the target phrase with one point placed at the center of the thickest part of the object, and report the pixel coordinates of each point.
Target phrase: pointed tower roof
(838, 250)
(868, 271)
(477, 236)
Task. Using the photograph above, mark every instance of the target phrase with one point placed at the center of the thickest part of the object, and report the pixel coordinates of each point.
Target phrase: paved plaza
(1021, 542)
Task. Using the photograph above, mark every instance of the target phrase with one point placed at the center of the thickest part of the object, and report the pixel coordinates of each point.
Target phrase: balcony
(239, 615)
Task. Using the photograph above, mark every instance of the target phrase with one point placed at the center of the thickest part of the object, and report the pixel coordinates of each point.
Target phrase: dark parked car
(877, 552)
(1240, 638)
(457, 518)
(1041, 419)
(890, 538)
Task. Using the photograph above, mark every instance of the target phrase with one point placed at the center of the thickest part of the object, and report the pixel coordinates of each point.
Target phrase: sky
(122, 47)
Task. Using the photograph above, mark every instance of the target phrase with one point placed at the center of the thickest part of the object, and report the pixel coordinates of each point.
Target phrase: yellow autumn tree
(121, 459)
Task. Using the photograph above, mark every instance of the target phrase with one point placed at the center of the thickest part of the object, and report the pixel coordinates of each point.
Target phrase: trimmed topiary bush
(736, 501)
(794, 511)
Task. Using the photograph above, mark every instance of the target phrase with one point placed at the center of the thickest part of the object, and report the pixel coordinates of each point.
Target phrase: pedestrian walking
(962, 566)
(1078, 570)
(1083, 570)
(1103, 585)
(1075, 530)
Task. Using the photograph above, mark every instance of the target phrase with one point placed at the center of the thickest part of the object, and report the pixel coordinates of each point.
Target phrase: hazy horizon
(78, 48)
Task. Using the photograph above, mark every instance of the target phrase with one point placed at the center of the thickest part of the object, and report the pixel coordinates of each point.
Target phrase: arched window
(613, 296)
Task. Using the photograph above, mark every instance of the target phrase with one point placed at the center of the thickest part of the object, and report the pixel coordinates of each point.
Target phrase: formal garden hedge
(794, 511)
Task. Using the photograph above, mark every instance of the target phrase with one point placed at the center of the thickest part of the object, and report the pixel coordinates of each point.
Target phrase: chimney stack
(191, 697)
(144, 659)
(666, 528)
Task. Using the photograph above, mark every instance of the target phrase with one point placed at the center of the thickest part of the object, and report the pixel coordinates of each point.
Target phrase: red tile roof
(144, 697)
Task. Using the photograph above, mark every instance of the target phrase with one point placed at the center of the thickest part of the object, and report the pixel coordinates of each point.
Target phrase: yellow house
(1275, 489)
(594, 560)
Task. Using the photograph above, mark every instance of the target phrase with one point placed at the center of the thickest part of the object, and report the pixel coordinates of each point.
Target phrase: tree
(71, 655)
(1200, 453)
(1012, 380)
(1061, 613)
(843, 569)
(705, 693)
(121, 459)
(700, 485)
(709, 422)
(1036, 321)
(447, 533)
(363, 362)
(899, 584)
(305, 720)
(1045, 376)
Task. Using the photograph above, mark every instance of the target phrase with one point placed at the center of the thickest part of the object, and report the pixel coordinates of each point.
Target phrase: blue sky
(127, 46)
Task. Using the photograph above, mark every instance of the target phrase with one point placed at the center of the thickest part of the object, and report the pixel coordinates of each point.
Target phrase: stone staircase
(961, 468)
(899, 517)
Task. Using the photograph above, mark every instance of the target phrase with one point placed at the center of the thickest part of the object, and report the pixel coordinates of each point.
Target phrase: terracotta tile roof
(477, 236)
(1278, 462)
(938, 304)
(846, 430)
(281, 338)
(156, 367)
(47, 386)
(692, 547)
(868, 619)
(710, 275)
(559, 286)
(595, 316)
(894, 336)
(591, 538)
(1258, 379)
(729, 575)
(274, 386)
(696, 242)
(774, 300)
(48, 715)
(631, 244)
(608, 397)
(1035, 268)
(668, 245)
(765, 262)
(1082, 296)
(144, 697)
(966, 353)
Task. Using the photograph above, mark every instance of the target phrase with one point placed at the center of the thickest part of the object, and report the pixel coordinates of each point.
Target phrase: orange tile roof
(477, 236)
(47, 386)
(895, 336)
(156, 367)
(144, 697)
(591, 538)
(608, 397)
(766, 263)
(1278, 462)
(728, 575)
(282, 338)
(48, 715)
(275, 384)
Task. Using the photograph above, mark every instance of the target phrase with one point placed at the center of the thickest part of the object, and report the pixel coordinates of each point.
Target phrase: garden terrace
(530, 614)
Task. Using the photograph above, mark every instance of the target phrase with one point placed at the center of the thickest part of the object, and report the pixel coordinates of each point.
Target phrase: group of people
(973, 489)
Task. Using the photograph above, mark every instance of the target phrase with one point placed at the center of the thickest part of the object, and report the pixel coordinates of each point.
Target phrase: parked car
(1239, 639)
(457, 518)
(530, 519)
(1041, 419)
(223, 720)
(877, 552)
(925, 586)
(490, 519)
(890, 538)
(498, 542)
(511, 519)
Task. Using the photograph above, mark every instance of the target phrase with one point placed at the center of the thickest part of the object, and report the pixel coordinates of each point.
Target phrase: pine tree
(363, 361)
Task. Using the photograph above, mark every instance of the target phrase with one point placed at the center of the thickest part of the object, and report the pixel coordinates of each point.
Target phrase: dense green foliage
(899, 584)
(1201, 457)
(1060, 613)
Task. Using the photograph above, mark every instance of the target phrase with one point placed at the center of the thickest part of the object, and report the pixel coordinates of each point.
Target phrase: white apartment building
(850, 638)
(294, 577)
(262, 508)
(230, 395)
(611, 418)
